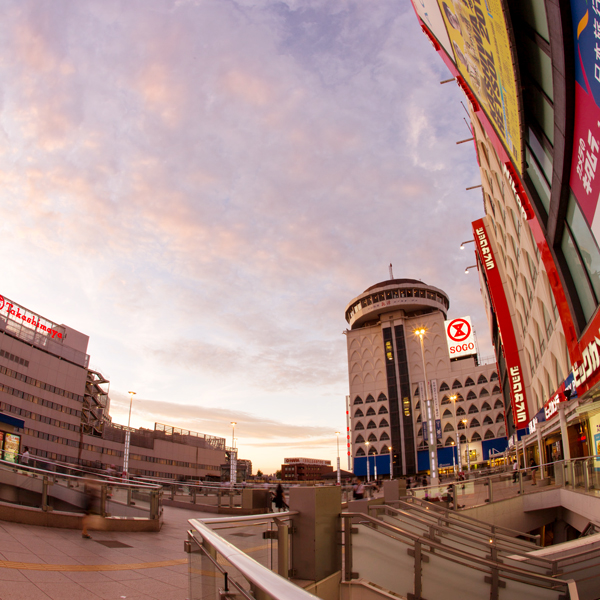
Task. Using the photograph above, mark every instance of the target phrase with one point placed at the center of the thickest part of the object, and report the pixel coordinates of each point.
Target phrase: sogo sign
(460, 338)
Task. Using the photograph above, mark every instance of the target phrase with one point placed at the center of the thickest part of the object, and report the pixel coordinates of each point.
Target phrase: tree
(278, 474)
(259, 473)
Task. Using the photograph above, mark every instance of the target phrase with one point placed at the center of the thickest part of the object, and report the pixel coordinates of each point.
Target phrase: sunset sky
(202, 186)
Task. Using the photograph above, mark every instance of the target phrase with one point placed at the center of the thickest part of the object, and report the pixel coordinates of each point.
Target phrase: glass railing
(412, 565)
(247, 557)
(52, 491)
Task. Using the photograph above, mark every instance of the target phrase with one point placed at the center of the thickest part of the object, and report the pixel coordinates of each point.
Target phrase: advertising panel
(460, 337)
(429, 12)
(482, 53)
(516, 382)
(11, 447)
(584, 181)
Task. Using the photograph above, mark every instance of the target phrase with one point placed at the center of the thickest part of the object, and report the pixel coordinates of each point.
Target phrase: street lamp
(368, 466)
(454, 398)
(462, 246)
(233, 457)
(464, 421)
(430, 421)
(339, 475)
(127, 438)
(391, 462)
(471, 267)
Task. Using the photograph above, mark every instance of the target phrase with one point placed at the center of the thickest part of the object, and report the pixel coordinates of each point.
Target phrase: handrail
(113, 482)
(275, 586)
(475, 562)
(246, 518)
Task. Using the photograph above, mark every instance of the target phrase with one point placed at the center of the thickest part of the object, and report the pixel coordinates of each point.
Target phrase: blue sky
(202, 186)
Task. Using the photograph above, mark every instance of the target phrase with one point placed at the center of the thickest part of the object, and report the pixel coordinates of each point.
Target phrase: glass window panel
(534, 13)
(543, 112)
(543, 157)
(578, 274)
(586, 244)
(537, 178)
(539, 66)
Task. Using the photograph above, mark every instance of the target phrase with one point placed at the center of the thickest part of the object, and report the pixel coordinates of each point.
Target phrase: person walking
(515, 470)
(280, 503)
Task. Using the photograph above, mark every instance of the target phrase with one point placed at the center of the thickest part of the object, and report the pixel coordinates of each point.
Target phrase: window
(416, 392)
(485, 406)
(371, 411)
(500, 418)
(449, 441)
(384, 436)
(476, 437)
(383, 423)
(482, 379)
(488, 435)
(461, 425)
(460, 411)
(369, 399)
(418, 405)
(488, 420)
(471, 395)
(473, 409)
(444, 387)
(474, 423)
(372, 451)
(381, 398)
(360, 439)
(382, 410)
(359, 426)
(384, 449)
(447, 414)
(469, 382)
(494, 376)
(371, 425)
(358, 413)
(445, 400)
(456, 385)
(448, 428)
(358, 400)
(372, 438)
(459, 398)
(360, 452)
(496, 389)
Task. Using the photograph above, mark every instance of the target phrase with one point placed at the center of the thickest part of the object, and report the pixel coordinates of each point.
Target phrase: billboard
(520, 412)
(475, 35)
(460, 337)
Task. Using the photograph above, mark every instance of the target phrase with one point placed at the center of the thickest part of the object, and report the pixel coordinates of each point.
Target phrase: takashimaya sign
(18, 313)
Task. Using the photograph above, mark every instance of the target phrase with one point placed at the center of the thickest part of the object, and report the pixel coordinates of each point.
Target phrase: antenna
(391, 272)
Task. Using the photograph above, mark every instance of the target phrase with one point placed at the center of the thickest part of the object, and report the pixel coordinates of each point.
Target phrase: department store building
(52, 402)
(387, 400)
(530, 73)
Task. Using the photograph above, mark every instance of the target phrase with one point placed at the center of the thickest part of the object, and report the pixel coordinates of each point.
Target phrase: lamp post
(468, 453)
(454, 397)
(339, 474)
(233, 457)
(368, 466)
(391, 462)
(127, 438)
(430, 421)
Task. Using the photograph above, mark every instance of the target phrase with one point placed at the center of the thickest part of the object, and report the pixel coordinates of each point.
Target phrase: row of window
(468, 383)
(41, 401)
(34, 416)
(381, 398)
(40, 384)
(371, 425)
(17, 359)
(372, 438)
(393, 294)
(371, 411)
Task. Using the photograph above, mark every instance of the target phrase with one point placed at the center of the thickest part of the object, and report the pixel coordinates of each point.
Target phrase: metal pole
(128, 438)
(391, 462)
(457, 436)
(339, 475)
(368, 465)
(430, 421)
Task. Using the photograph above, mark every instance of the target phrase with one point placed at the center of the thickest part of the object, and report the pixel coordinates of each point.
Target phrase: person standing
(25, 456)
(280, 503)
(533, 471)
(515, 470)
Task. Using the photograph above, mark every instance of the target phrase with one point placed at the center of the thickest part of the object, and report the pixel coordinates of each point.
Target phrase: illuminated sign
(308, 461)
(26, 317)
(460, 337)
(509, 341)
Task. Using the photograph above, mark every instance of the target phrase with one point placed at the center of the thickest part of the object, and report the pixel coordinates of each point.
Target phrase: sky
(202, 186)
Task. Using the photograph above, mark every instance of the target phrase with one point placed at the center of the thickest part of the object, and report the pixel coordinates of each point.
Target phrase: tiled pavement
(39, 563)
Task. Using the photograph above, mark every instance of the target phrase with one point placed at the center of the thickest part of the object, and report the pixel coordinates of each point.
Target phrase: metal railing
(51, 491)
(421, 566)
(580, 474)
(220, 569)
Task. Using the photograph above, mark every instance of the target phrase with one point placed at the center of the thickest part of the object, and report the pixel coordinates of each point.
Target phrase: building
(386, 405)
(63, 406)
(304, 469)
(243, 469)
(531, 75)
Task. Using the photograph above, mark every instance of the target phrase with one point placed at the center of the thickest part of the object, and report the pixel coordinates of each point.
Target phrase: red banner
(509, 340)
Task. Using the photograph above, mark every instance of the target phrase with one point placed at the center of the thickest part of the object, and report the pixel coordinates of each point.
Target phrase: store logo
(1, 302)
(519, 397)
(484, 246)
(462, 330)
(15, 311)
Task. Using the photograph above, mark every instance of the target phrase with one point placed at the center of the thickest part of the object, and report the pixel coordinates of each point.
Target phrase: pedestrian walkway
(39, 563)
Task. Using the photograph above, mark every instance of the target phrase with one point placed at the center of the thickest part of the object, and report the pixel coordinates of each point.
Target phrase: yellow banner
(480, 43)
